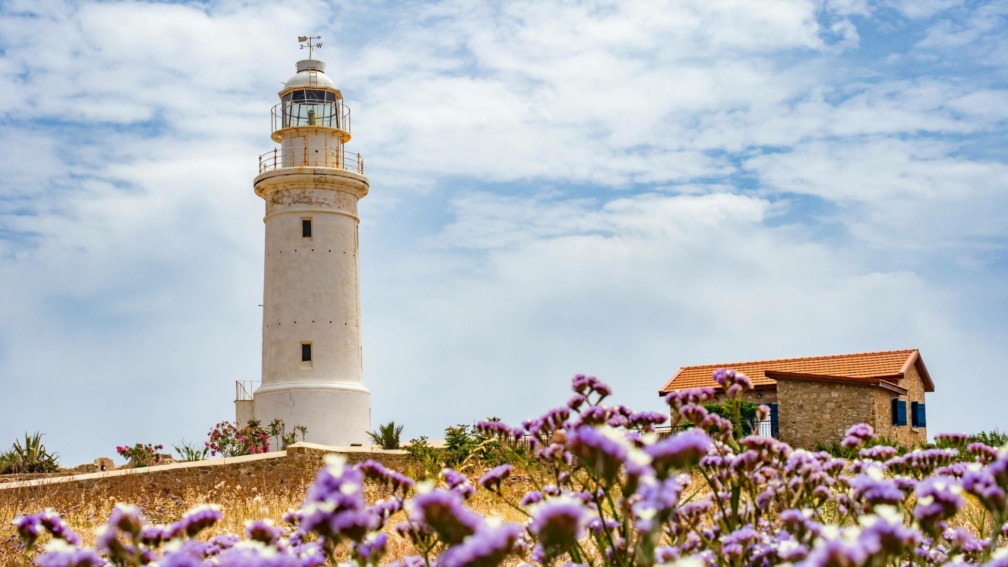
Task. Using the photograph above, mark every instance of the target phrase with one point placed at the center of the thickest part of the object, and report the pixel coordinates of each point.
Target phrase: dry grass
(256, 498)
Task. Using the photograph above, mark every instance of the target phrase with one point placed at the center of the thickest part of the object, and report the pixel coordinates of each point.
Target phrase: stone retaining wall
(289, 470)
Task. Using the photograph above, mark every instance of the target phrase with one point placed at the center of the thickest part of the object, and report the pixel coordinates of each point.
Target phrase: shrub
(425, 461)
(228, 440)
(32, 456)
(994, 438)
(141, 454)
(387, 436)
(277, 429)
(188, 451)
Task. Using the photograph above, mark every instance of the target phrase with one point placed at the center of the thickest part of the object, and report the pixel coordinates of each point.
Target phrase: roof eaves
(877, 381)
(668, 385)
(915, 360)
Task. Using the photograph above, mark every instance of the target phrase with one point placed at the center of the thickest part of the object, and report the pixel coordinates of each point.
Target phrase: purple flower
(576, 401)
(836, 553)
(263, 531)
(857, 435)
(875, 489)
(30, 527)
(385, 508)
(728, 378)
(488, 546)
(938, 498)
(442, 511)
(678, 451)
(951, 439)
(531, 498)
(984, 453)
(884, 532)
(982, 485)
(256, 554)
(586, 385)
(372, 548)
(196, 520)
(878, 453)
(458, 482)
(376, 471)
(676, 400)
(492, 479)
(647, 419)
(60, 553)
(599, 450)
(558, 524)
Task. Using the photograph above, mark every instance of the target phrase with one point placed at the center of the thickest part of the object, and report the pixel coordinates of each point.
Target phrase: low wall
(289, 470)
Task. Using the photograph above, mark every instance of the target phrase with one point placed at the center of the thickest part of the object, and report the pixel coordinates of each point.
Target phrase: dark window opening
(306, 228)
(918, 414)
(305, 352)
(899, 412)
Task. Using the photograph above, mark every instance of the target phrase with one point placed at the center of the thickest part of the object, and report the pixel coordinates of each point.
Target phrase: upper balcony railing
(328, 114)
(244, 389)
(337, 159)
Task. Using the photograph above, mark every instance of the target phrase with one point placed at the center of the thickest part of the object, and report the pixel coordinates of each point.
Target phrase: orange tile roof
(888, 365)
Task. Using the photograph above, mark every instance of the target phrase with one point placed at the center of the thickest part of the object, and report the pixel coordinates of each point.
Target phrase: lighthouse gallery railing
(341, 160)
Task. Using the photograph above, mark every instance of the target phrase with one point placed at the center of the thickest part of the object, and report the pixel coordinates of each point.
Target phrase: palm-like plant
(32, 456)
(387, 436)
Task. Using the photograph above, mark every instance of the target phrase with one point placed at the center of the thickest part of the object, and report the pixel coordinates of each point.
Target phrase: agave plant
(387, 435)
(31, 456)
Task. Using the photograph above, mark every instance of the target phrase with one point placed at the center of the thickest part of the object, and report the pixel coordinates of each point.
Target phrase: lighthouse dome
(310, 73)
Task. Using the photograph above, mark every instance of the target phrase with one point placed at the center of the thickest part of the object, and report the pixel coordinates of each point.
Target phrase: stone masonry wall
(906, 435)
(287, 471)
(813, 413)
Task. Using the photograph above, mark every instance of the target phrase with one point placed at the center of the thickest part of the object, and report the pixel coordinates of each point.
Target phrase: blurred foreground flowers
(605, 489)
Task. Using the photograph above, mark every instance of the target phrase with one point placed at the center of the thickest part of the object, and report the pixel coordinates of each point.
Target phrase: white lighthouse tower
(311, 351)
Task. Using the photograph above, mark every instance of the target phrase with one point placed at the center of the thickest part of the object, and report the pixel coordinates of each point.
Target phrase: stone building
(814, 400)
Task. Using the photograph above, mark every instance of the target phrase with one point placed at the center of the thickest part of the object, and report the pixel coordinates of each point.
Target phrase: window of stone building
(899, 412)
(918, 414)
(306, 228)
(305, 352)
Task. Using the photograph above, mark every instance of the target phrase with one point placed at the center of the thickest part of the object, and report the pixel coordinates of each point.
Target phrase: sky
(557, 187)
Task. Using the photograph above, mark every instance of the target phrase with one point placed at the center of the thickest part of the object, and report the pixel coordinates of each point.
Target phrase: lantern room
(310, 99)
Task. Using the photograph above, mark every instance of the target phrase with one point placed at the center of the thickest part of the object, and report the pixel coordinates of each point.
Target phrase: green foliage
(425, 461)
(29, 457)
(387, 436)
(461, 442)
(742, 414)
(6, 462)
(994, 438)
(837, 450)
(277, 429)
(191, 451)
(141, 454)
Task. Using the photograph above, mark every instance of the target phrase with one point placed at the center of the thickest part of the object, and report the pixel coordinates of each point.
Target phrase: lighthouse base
(336, 414)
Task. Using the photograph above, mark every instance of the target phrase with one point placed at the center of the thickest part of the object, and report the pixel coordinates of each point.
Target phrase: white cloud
(612, 188)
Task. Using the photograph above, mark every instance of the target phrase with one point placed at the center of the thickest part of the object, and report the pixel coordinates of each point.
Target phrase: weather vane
(307, 40)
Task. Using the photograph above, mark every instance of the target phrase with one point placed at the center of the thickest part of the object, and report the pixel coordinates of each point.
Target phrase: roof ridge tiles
(728, 365)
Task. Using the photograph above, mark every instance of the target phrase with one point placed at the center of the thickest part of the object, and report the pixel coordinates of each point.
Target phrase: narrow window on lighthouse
(306, 228)
(306, 352)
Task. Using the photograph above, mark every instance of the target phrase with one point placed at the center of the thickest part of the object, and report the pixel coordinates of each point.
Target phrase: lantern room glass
(310, 107)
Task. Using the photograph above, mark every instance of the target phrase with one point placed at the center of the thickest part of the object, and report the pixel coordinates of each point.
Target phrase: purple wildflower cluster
(594, 484)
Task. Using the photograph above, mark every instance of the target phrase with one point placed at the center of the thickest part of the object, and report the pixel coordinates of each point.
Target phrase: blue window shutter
(899, 412)
(921, 415)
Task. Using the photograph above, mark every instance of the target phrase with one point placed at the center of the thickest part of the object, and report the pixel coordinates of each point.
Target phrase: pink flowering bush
(141, 454)
(607, 490)
(228, 440)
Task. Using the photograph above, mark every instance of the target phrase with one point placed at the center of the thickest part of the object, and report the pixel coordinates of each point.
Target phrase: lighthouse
(311, 337)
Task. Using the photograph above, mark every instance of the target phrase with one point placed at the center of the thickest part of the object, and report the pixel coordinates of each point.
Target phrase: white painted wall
(311, 294)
